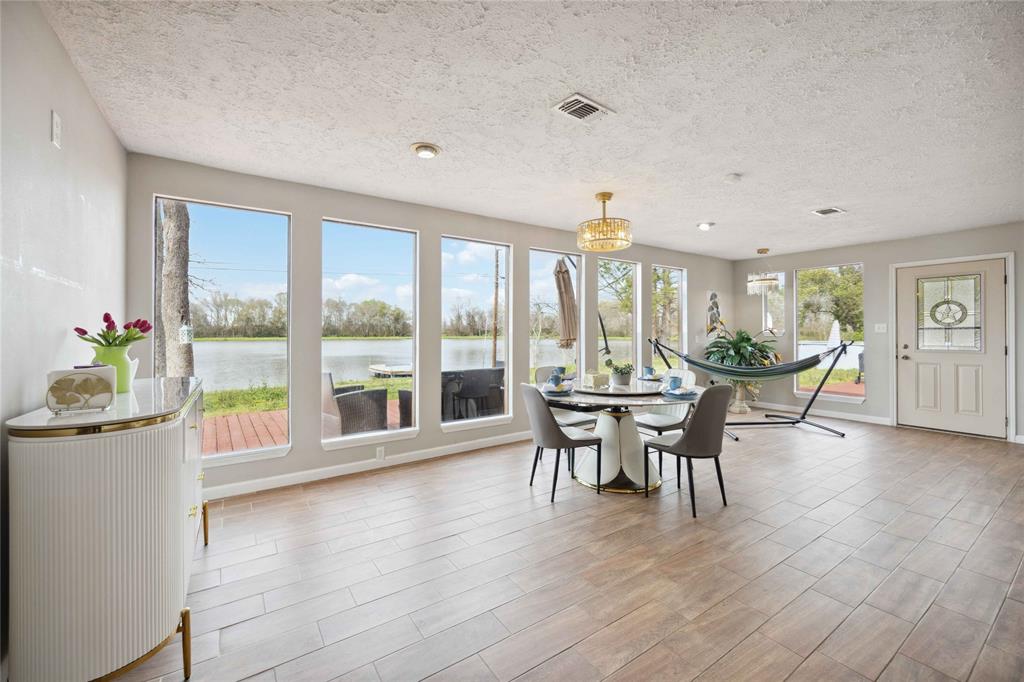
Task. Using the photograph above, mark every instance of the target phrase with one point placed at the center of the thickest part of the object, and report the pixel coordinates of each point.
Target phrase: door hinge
(1006, 279)
(1006, 350)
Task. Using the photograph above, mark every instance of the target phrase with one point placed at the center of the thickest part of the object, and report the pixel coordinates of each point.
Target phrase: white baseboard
(797, 409)
(1019, 438)
(255, 485)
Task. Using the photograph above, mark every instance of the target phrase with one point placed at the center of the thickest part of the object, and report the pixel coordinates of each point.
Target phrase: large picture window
(368, 319)
(474, 319)
(616, 304)
(830, 309)
(221, 306)
(668, 313)
(554, 311)
(773, 306)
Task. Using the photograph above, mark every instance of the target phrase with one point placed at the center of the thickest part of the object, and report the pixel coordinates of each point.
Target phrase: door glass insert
(949, 313)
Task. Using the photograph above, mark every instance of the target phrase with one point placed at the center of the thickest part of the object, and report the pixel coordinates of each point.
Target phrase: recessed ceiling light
(832, 210)
(704, 227)
(425, 150)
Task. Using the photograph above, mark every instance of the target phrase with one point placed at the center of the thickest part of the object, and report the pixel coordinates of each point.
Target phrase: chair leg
(660, 455)
(568, 460)
(689, 475)
(572, 463)
(647, 465)
(554, 480)
(536, 458)
(721, 483)
(679, 472)
(598, 468)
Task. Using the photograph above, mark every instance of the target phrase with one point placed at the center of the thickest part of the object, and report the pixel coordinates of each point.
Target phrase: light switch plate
(881, 328)
(56, 129)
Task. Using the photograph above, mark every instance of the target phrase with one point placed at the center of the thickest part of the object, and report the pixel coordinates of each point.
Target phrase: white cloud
(474, 251)
(476, 277)
(403, 294)
(354, 288)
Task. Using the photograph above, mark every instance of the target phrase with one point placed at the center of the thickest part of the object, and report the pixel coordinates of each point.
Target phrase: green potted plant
(742, 350)
(621, 374)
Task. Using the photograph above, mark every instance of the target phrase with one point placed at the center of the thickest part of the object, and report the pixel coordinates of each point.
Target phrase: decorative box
(81, 389)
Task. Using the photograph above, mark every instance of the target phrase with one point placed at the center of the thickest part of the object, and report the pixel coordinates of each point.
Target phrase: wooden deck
(254, 430)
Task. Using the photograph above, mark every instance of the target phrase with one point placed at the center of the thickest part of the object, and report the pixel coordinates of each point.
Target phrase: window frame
(637, 329)
(578, 283)
(794, 298)
(683, 307)
(372, 437)
(509, 414)
(764, 304)
(252, 454)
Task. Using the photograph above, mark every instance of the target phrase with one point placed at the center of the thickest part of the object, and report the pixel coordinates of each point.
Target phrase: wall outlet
(380, 453)
(881, 328)
(56, 129)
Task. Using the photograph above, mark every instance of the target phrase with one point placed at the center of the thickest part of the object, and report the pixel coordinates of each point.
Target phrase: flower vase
(739, 404)
(117, 357)
(621, 379)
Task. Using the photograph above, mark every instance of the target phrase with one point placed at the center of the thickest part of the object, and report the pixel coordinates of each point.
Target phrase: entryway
(951, 337)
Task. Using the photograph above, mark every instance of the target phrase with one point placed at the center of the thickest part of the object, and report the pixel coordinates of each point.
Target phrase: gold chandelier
(604, 233)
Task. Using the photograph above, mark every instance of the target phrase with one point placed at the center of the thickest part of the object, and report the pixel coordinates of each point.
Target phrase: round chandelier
(759, 283)
(604, 234)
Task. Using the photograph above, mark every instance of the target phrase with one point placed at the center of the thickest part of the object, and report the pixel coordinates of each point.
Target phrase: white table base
(622, 456)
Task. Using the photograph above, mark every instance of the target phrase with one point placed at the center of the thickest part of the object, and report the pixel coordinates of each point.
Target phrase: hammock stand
(767, 374)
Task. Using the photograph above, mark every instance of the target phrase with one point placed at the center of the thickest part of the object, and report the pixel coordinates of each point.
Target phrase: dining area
(609, 433)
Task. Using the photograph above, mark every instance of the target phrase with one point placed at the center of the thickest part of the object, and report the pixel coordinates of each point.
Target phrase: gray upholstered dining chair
(662, 418)
(580, 420)
(702, 439)
(548, 434)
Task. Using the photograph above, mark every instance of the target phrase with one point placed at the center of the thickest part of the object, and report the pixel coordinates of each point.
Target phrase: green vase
(117, 357)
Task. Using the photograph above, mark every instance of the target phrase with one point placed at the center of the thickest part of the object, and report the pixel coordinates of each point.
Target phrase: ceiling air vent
(582, 108)
(828, 211)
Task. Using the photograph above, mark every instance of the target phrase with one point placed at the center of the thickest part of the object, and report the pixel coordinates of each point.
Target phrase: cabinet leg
(206, 522)
(186, 641)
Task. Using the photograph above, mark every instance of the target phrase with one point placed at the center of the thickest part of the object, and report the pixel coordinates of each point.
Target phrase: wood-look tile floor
(892, 554)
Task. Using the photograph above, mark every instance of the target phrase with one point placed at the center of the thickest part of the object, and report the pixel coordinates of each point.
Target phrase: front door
(951, 347)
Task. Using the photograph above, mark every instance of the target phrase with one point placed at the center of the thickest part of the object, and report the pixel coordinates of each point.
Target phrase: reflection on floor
(891, 551)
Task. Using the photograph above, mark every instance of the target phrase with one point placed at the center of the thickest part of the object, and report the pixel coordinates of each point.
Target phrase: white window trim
(849, 399)
(370, 438)
(223, 459)
(478, 423)
(833, 397)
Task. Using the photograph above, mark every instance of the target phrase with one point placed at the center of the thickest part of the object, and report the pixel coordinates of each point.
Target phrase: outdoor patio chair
(404, 409)
(330, 418)
(363, 411)
(476, 387)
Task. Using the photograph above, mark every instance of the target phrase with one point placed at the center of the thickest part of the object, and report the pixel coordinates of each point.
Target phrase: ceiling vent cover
(832, 210)
(581, 107)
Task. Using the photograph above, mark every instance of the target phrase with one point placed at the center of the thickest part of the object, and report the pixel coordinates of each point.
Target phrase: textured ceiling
(908, 115)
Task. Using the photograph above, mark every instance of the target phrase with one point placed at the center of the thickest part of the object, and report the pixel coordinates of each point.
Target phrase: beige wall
(877, 257)
(308, 205)
(62, 240)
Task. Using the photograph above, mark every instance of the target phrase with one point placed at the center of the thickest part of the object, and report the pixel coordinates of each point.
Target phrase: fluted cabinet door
(96, 550)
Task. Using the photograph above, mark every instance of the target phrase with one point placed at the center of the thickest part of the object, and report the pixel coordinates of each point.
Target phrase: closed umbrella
(568, 316)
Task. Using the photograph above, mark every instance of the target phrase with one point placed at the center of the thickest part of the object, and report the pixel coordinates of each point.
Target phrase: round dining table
(622, 449)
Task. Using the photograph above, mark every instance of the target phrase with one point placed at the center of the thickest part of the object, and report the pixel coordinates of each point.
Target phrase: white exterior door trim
(1011, 332)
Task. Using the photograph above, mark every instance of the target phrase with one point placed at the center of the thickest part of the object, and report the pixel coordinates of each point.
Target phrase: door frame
(1011, 333)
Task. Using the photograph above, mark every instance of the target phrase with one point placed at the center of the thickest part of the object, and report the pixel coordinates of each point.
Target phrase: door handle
(904, 357)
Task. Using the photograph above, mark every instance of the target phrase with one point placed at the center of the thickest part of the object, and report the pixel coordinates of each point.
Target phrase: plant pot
(117, 357)
(621, 379)
(739, 403)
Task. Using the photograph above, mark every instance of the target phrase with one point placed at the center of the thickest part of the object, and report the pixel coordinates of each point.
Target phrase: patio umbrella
(568, 316)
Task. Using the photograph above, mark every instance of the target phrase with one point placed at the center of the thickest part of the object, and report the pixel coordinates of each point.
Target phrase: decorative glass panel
(949, 313)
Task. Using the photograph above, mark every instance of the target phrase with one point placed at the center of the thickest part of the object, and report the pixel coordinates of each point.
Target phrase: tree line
(827, 294)
(222, 315)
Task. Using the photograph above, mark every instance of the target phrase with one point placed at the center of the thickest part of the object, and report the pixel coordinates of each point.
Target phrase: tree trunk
(174, 293)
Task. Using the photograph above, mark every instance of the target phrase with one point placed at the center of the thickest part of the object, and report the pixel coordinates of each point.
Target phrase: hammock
(767, 373)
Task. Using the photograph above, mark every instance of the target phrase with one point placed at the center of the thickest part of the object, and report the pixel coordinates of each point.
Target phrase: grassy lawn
(811, 377)
(269, 398)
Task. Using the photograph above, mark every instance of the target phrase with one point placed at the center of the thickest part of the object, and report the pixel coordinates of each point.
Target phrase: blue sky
(245, 253)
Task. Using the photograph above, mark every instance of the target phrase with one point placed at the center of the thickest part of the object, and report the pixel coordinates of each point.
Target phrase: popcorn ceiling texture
(909, 115)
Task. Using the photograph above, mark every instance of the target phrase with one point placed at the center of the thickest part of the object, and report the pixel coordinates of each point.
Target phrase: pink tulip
(129, 325)
(111, 326)
(81, 332)
(107, 317)
(146, 328)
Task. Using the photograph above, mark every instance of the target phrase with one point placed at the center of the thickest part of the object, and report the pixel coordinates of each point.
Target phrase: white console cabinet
(105, 511)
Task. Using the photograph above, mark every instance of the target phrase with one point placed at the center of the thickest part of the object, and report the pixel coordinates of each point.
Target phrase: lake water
(240, 364)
